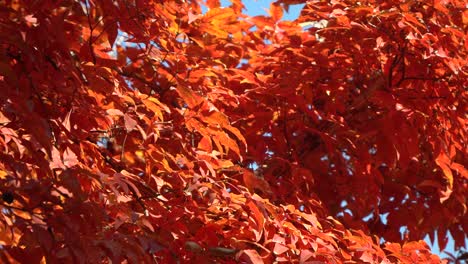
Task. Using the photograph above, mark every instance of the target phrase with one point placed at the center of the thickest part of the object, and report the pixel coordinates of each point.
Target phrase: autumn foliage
(187, 132)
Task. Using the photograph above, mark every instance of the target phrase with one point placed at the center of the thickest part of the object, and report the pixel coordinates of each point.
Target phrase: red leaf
(30, 20)
(442, 238)
(69, 158)
(66, 121)
(192, 17)
(280, 249)
(130, 123)
(3, 119)
(251, 256)
(305, 255)
(56, 162)
(367, 257)
(114, 112)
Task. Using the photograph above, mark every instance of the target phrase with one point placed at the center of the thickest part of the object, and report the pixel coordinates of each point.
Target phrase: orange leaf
(444, 163)
(259, 218)
(253, 182)
(276, 12)
(213, 3)
(205, 144)
(216, 14)
(190, 97)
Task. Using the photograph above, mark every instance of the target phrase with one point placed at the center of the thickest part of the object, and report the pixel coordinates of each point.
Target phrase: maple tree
(150, 131)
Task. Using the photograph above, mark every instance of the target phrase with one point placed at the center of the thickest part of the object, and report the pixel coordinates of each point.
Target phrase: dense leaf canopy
(187, 132)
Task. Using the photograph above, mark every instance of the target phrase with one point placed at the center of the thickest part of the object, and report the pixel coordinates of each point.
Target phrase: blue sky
(260, 7)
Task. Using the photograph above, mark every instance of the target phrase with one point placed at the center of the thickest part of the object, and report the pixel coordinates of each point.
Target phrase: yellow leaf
(217, 20)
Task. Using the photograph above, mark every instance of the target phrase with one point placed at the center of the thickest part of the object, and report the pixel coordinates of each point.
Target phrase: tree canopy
(187, 132)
